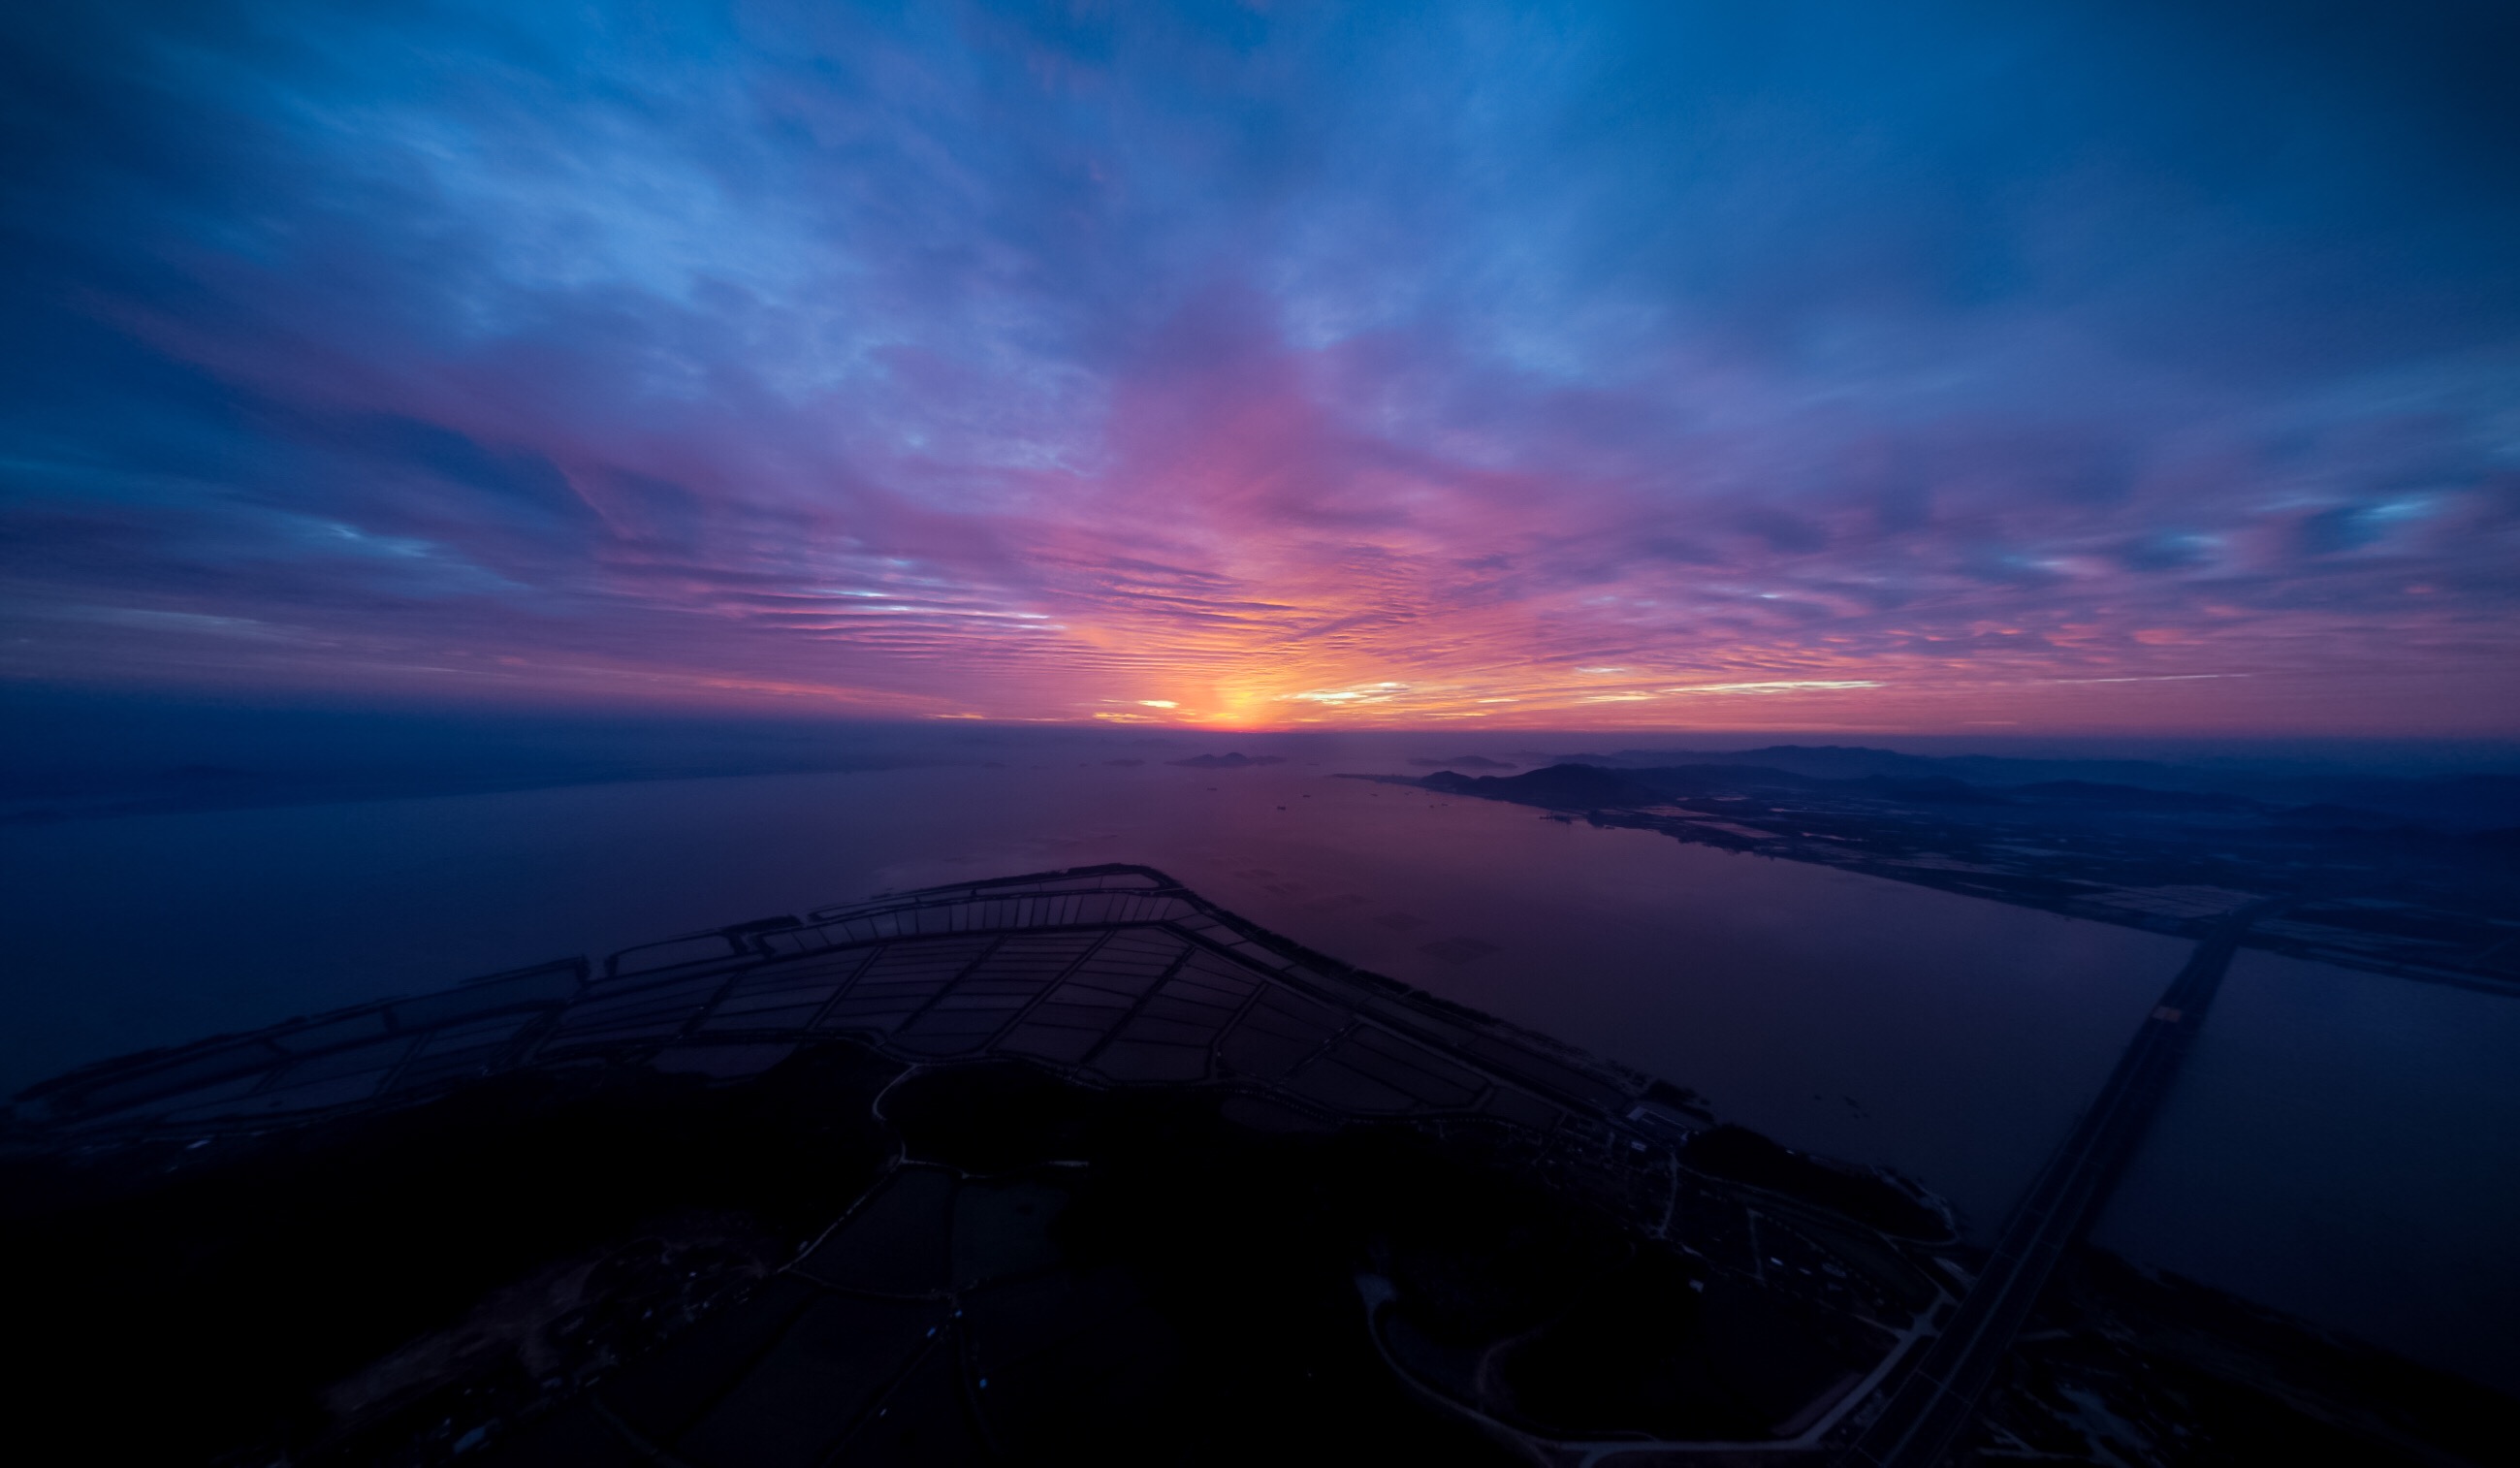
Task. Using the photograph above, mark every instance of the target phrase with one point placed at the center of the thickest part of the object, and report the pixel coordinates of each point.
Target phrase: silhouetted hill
(1930, 789)
(2116, 797)
(1568, 787)
(1702, 779)
(1815, 762)
(2337, 817)
(1573, 787)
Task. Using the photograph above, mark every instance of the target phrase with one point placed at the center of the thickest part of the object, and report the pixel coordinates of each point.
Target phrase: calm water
(2343, 1146)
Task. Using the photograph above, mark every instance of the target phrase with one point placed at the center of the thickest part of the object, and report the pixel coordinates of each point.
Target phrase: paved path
(1935, 1403)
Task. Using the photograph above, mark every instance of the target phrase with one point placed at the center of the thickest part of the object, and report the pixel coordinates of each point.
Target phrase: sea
(2344, 1146)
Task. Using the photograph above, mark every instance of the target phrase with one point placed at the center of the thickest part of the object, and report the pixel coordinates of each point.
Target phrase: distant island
(2409, 876)
(1233, 761)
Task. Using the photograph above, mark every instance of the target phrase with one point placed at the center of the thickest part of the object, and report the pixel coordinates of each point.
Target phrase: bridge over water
(1934, 1404)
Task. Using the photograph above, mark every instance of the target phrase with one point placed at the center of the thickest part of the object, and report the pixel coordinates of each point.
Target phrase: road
(1935, 1403)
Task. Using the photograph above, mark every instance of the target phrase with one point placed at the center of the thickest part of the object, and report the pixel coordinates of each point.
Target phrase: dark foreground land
(1063, 1168)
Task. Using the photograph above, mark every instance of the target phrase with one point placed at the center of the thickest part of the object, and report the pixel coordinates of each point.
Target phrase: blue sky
(1928, 367)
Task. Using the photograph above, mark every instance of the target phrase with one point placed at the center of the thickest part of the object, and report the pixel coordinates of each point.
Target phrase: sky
(1937, 368)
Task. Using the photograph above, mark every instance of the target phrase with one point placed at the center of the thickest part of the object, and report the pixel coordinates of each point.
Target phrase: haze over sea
(2343, 1144)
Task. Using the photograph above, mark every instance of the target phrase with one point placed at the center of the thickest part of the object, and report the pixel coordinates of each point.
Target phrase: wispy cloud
(1549, 366)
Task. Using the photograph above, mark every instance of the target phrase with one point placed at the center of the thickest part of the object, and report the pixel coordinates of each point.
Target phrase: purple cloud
(1562, 366)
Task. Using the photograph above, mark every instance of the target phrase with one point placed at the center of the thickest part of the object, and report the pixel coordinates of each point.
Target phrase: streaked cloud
(1559, 365)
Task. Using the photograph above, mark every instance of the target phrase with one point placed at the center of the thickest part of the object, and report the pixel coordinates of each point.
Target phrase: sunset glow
(1243, 368)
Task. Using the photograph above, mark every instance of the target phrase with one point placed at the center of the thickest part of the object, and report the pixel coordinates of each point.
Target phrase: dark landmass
(1233, 761)
(2103, 795)
(1065, 1166)
(1465, 762)
(1565, 788)
(2419, 877)
(1745, 1156)
(2124, 1364)
(341, 1289)
(2456, 801)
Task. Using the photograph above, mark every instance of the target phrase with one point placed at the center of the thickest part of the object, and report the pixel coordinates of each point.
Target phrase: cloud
(1226, 364)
